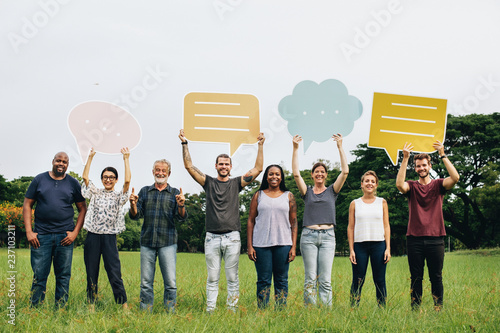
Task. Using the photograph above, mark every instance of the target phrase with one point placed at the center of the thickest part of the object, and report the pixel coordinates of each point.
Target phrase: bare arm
(454, 177)
(295, 166)
(250, 225)
(401, 184)
(197, 175)
(293, 225)
(259, 163)
(343, 165)
(86, 170)
(27, 217)
(128, 175)
(350, 232)
(82, 210)
(387, 233)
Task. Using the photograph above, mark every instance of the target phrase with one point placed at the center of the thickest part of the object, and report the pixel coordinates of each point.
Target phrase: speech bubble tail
(232, 149)
(307, 144)
(393, 156)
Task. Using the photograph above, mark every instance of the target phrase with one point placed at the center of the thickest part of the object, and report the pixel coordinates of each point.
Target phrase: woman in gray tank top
(272, 235)
(317, 242)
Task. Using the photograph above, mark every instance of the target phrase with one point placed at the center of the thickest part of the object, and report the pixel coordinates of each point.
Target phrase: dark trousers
(374, 252)
(272, 262)
(420, 250)
(105, 245)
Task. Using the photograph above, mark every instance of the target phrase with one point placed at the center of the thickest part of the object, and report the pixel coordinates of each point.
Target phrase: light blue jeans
(318, 250)
(217, 247)
(167, 260)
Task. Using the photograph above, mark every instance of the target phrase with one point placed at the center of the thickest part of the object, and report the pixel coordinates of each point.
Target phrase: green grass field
(471, 281)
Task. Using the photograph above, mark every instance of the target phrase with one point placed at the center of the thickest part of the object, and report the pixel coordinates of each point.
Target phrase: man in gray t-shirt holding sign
(222, 220)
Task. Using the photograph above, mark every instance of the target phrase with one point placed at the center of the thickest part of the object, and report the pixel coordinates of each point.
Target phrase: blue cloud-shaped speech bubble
(317, 111)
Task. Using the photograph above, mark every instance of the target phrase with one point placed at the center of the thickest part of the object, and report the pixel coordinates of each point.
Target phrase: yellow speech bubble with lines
(221, 117)
(397, 119)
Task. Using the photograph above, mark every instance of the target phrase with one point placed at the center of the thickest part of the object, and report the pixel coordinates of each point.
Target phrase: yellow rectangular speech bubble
(397, 119)
(222, 117)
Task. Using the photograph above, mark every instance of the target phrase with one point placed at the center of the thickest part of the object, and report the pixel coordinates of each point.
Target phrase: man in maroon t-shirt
(425, 235)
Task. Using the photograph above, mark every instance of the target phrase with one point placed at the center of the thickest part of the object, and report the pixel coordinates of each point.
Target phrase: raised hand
(438, 145)
(133, 198)
(296, 139)
(261, 138)
(182, 136)
(180, 198)
(407, 149)
(338, 138)
(125, 152)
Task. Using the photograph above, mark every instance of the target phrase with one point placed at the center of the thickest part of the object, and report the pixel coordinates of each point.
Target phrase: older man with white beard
(161, 206)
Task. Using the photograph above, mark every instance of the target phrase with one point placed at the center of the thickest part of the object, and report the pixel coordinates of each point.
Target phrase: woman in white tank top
(369, 236)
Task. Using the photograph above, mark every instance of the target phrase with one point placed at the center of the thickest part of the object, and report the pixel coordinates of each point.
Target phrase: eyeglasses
(108, 178)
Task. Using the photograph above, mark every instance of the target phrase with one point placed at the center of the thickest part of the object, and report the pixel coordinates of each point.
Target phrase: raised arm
(181, 200)
(350, 232)
(86, 170)
(133, 204)
(259, 163)
(454, 177)
(252, 255)
(197, 175)
(295, 166)
(401, 184)
(344, 167)
(128, 175)
(293, 224)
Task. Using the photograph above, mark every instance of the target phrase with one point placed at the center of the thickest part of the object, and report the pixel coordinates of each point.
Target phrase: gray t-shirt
(319, 208)
(223, 205)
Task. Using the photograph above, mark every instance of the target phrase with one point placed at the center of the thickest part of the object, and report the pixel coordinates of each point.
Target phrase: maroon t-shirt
(426, 208)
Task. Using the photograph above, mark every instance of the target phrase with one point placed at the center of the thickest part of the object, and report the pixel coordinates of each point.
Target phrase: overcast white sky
(58, 54)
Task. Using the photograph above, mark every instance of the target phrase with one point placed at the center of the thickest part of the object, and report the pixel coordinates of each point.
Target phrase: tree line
(471, 209)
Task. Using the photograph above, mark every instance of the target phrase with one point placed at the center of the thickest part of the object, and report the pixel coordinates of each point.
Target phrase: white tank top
(272, 224)
(369, 221)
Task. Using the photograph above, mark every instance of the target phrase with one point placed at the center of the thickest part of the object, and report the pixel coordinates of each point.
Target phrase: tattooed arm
(259, 163)
(197, 175)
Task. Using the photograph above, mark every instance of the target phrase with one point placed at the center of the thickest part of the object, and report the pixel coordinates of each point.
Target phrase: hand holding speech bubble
(104, 126)
(316, 111)
(397, 119)
(221, 117)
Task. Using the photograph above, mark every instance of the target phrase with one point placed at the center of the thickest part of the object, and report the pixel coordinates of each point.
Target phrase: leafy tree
(472, 213)
(132, 235)
(191, 232)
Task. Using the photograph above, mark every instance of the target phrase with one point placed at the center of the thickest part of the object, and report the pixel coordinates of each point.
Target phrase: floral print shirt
(105, 213)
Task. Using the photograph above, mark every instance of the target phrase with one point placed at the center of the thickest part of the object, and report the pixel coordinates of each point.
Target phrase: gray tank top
(319, 208)
(272, 224)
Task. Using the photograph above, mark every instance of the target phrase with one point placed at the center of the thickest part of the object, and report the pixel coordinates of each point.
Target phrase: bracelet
(184, 142)
(443, 156)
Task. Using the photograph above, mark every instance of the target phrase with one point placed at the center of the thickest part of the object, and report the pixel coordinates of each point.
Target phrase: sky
(145, 56)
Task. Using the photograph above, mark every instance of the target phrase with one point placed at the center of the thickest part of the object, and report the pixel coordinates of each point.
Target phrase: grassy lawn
(471, 281)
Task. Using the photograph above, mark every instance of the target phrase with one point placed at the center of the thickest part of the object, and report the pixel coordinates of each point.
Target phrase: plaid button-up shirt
(160, 211)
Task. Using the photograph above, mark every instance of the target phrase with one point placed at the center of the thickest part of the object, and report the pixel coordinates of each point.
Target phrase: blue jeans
(167, 257)
(373, 251)
(217, 247)
(318, 250)
(272, 262)
(41, 260)
(430, 249)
